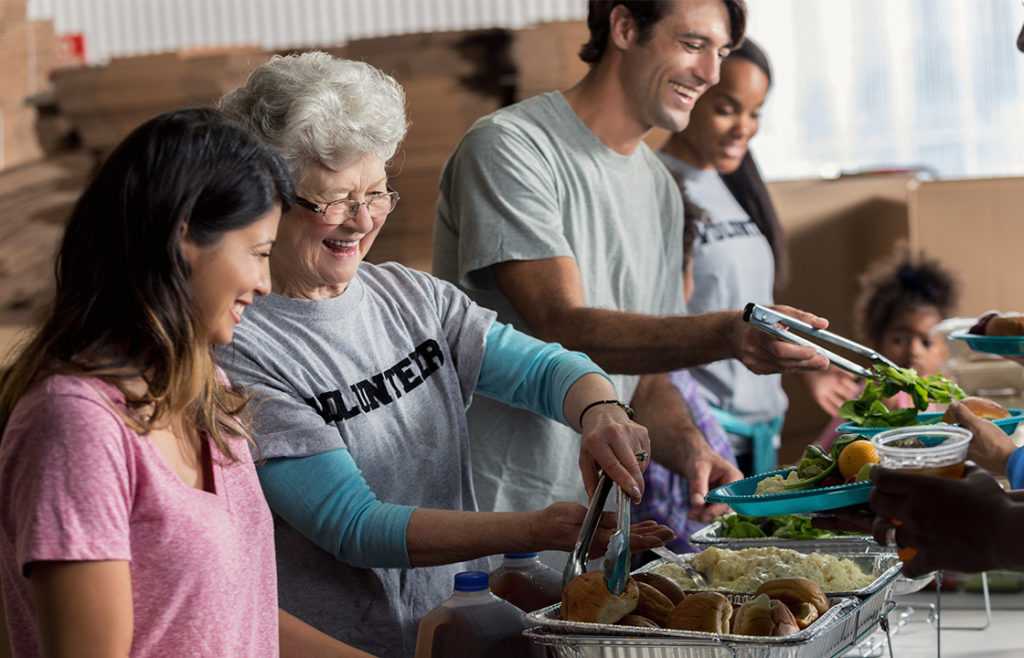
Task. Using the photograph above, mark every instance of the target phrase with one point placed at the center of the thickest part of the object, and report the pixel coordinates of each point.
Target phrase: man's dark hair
(646, 13)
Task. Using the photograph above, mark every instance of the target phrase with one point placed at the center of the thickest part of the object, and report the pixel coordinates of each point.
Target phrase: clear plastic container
(938, 450)
(473, 623)
(933, 450)
(526, 582)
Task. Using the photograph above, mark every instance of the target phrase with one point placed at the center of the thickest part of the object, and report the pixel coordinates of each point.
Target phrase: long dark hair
(746, 183)
(123, 307)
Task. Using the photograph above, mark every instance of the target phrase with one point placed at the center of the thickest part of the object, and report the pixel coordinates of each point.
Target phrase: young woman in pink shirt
(131, 519)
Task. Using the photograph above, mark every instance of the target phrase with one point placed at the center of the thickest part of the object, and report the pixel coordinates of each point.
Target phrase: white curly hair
(319, 109)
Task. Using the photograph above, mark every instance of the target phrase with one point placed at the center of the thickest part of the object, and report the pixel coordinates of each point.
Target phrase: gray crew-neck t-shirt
(732, 265)
(531, 181)
(385, 371)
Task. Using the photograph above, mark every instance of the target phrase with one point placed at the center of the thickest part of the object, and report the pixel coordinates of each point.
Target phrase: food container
(827, 636)
(885, 567)
(710, 535)
(854, 616)
(929, 418)
(742, 496)
(942, 450)
(1001, 345)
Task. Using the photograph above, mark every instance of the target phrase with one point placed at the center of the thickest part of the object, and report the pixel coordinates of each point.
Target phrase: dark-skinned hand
(953, 524)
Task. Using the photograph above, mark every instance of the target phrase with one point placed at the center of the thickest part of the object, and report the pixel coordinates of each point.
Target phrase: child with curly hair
(902, 300)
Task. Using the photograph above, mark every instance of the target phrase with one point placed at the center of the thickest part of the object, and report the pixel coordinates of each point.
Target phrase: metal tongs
(769, 321)
(616, 559)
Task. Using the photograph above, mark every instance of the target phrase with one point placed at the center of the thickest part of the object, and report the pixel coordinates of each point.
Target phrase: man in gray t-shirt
(555, 213)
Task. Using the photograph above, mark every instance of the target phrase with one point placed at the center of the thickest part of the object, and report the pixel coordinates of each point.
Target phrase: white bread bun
(764, 617)
(586, 598)
(665, 585)
(709, 612)
(1005, 325)
(981, 407)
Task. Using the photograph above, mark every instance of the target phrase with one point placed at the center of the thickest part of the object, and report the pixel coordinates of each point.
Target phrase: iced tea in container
(926, 450)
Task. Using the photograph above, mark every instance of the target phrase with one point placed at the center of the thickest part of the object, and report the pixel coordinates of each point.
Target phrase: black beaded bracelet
(625, 407)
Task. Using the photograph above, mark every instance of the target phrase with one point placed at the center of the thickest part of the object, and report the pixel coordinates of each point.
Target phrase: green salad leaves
(869, 409)
(738, 526)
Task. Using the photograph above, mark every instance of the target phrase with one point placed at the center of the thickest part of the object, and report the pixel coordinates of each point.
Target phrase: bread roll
(709, 612)
(653, 604)
(764, 617)
(793, 592)
(637, 620)
(586, 598)
(805, 615)
(982, 408)
(1005, 325)
(666, 586)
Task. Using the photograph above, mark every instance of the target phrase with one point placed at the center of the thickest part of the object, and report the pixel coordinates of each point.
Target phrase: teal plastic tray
(1001, 345)
(740, 496)
(1008, 424)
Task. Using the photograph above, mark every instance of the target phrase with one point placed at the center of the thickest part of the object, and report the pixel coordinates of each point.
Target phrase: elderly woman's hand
(612, 442)
(991, 447)
(557, 527)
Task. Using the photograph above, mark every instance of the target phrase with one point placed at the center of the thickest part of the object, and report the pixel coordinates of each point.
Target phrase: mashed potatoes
(775, 483)
(745, 570)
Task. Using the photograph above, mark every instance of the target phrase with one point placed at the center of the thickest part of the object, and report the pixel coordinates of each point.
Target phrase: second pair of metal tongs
(616, 558)
(771, 321)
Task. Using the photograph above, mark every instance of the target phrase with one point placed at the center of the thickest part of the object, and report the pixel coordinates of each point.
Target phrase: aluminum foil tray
(709, 536)
(830, 634)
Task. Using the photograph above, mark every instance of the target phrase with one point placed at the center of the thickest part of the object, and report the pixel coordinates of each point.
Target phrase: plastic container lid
(522, 556)
(471, 581)
(942, 445)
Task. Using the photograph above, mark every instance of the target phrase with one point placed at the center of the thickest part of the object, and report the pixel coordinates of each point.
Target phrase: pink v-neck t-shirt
(76, 483)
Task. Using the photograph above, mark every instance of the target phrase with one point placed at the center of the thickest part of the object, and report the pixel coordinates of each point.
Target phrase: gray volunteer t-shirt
(531, 181)
(732, 265)
(385, 371)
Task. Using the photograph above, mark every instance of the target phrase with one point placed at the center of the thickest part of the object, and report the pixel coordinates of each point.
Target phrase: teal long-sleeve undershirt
(326, 498)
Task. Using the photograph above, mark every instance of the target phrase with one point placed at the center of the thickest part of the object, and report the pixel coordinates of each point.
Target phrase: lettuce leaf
(869, 409)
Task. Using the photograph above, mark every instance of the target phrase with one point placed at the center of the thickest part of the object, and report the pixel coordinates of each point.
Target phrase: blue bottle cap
(521, 556)
(471, 581)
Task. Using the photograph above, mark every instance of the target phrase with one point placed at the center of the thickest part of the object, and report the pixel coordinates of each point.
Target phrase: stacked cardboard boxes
(35, 201)
(28, 50)
(104, 103)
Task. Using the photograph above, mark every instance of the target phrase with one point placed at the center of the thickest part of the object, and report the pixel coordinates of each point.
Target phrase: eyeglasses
(377, 204)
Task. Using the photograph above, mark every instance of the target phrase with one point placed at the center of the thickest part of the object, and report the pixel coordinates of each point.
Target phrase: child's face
(910, 342)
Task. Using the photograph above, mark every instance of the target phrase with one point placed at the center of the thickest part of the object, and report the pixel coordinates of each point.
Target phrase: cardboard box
(35, 201)
(974, 228)
(18, 143)
(547, 57)
(834, 230)
(12, 12)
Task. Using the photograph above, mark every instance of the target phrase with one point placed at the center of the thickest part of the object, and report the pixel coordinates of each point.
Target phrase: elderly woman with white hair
(361, 375)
